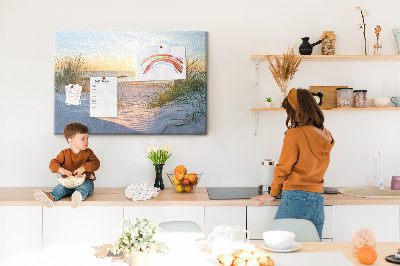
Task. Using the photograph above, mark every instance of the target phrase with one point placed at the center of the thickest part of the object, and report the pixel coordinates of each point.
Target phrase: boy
(77, 160)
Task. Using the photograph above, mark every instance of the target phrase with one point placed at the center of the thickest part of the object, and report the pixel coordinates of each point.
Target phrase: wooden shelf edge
(332, 109)
(336, 57)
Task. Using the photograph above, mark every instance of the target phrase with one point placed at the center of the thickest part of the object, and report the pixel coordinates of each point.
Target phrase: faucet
(378, 179)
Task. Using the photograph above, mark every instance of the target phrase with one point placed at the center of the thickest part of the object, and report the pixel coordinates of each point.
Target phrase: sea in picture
(153, 107)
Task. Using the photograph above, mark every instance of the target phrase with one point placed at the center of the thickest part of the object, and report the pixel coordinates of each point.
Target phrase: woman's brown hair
(309, 113)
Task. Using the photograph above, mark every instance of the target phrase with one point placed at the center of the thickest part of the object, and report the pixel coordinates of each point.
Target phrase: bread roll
(265, 261)
(243, 254)
(259, 253)
(252, 262)
(226, 260)
(239, 262)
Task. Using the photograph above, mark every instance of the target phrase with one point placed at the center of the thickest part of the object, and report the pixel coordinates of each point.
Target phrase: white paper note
(73, 94)
(103, 97)
(161, 63)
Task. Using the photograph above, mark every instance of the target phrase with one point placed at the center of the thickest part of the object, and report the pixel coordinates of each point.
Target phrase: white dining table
(86, 255)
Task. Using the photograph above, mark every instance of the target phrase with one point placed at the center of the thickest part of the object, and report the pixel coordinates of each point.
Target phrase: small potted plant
(137, 240)
(268, 102)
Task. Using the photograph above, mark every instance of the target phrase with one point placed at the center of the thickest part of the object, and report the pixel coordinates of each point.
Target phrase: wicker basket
(72, 181)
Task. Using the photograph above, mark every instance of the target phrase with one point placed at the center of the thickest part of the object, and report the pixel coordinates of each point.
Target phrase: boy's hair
(74, 128)
(309, 113)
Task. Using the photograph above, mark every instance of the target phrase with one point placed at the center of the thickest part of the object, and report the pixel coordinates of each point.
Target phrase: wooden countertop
(23, 196)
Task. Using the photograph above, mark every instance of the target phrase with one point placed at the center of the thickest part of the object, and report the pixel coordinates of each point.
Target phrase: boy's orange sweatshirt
(303, 161)
(71, 161)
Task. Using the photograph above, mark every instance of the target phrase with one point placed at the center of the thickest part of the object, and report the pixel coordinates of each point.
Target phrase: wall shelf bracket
(256, 66)
(255, 122)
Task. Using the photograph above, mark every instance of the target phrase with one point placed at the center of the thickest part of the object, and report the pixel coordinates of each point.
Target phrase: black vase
(159, 181)
(306, 48)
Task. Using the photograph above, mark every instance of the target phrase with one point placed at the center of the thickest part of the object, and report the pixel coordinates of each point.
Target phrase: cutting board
(329, 98)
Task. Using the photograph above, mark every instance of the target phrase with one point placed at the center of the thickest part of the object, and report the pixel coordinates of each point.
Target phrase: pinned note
(73, 94)
(103, 97)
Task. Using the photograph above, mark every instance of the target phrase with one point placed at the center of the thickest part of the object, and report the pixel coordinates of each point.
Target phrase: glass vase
(159, 181)
(396, 33)
(364, 46)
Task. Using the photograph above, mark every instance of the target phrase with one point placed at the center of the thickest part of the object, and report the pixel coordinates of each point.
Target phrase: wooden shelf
(332, 109)
(337, 57)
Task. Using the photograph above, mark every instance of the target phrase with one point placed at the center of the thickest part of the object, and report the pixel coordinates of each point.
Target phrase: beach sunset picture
(161, 79)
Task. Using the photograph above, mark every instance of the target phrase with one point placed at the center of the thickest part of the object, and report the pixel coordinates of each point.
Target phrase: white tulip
(167, 148)
(148, 149)
(158, 147)
(154, 149)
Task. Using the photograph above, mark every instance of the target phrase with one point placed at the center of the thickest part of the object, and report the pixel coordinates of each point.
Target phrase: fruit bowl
(184, 183)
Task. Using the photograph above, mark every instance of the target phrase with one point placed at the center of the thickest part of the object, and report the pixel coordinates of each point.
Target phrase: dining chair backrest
(181, 227)
(304, 230)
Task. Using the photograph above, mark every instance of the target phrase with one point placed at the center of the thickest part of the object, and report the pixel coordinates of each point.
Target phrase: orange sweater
(71, 161)
(303, 161)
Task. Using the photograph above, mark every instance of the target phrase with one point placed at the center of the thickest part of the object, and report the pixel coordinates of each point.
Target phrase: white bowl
(380, 102)
(279, 240)
(72, 181)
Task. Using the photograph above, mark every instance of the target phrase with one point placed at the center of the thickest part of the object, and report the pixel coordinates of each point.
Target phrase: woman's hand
(263, 198)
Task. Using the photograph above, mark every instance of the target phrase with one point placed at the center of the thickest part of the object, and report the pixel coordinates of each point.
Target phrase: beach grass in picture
(174, 105)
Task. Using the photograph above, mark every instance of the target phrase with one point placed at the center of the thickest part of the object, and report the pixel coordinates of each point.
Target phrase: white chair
(304, 230)
(178, 234)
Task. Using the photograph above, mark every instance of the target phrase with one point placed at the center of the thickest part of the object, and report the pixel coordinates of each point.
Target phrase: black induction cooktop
(225, 193)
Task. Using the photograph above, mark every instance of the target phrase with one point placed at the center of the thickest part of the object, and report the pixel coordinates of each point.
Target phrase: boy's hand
(80, 171)
(263, 198)
(63, 171)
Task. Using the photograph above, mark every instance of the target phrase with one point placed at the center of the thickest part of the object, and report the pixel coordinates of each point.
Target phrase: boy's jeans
(306, 205)
(86, 189)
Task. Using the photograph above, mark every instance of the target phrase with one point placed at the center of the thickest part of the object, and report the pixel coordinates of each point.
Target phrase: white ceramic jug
(220, 240)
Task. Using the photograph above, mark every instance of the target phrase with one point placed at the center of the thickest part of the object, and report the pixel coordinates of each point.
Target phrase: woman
(299, 174)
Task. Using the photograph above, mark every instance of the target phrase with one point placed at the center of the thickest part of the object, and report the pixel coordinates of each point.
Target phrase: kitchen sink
(370, 192)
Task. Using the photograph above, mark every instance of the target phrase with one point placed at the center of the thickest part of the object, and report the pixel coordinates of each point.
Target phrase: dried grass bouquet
(283, 71)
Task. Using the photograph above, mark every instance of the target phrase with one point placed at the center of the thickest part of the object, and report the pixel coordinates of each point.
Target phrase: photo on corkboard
(131, 82)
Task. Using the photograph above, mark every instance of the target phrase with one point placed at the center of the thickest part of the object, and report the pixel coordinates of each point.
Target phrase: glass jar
(344, 97)
(266, 176)
(360, 98)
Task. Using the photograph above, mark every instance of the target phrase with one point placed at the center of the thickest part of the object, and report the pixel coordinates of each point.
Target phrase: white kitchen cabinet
(259, 219)
(85, 225)
(159, 214)
(20, 229)
(386, 217)
(218, 215)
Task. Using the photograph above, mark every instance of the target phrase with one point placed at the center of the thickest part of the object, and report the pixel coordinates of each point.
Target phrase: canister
(266, 176)
(360, 98)
(344, 97)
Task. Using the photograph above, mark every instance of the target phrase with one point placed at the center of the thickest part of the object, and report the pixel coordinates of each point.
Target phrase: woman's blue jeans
(86, 189)
(306, 205)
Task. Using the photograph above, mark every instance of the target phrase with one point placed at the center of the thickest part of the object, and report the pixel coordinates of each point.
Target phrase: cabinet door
(218, 215)
(159, 214)
(386, 217)
(20, 229)
(85, 225)
(259, 219)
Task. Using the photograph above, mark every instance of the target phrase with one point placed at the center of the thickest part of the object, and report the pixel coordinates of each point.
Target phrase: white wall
(229, 153)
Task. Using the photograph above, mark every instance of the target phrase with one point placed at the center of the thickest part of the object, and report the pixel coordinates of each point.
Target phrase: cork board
(329, 98)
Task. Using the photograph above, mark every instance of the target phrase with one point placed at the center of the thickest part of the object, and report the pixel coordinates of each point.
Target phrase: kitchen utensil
(220, 240)
(392, 259)
(266, 176)
(380, 102)
(240, 236)
(395, 184)
(306, 47)
(278, 239)
(396, 101)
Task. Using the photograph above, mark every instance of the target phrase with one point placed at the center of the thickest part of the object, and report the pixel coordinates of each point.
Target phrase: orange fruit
(180, 169)
(367, 255)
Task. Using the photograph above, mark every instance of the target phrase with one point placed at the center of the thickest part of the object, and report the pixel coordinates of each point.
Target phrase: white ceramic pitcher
(220, 240)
